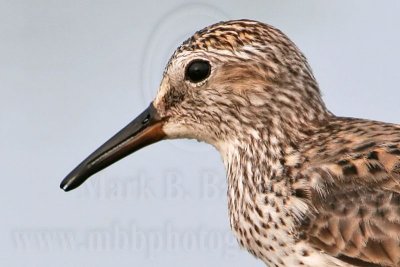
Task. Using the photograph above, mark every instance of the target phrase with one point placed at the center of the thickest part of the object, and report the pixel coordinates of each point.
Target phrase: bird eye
(197, 70)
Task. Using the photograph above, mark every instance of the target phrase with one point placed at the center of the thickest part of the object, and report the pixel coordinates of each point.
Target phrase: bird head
(229, 81)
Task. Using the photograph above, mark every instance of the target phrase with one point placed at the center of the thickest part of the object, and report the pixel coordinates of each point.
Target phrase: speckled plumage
(306, 188)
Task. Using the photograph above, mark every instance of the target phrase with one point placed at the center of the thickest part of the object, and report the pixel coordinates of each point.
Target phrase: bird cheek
(174, 129)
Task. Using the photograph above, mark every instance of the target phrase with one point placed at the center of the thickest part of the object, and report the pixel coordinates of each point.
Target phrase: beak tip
(69, 184)
(64, 186)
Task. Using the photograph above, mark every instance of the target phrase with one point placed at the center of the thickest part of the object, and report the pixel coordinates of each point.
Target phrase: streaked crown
(234, 74)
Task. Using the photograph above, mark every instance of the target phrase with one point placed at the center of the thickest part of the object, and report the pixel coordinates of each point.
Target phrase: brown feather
(358, 215)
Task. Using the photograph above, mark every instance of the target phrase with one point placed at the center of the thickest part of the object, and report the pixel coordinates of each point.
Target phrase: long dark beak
(142, 131)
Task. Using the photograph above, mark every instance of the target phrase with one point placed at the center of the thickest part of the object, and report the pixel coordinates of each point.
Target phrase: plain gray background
(72, 73)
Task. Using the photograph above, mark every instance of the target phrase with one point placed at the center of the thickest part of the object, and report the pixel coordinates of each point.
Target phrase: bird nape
(305, 188)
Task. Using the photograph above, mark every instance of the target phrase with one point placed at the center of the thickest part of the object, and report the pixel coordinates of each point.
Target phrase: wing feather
(356, 205)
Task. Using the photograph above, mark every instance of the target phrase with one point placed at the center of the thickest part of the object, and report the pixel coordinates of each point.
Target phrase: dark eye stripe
(197, 70)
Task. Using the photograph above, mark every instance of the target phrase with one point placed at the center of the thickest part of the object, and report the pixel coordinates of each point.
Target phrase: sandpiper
(305, 188)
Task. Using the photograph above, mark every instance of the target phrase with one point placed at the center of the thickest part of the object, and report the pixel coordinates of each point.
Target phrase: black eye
(197, 70)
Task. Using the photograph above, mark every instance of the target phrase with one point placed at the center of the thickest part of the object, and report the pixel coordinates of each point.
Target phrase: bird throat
(258, 193)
